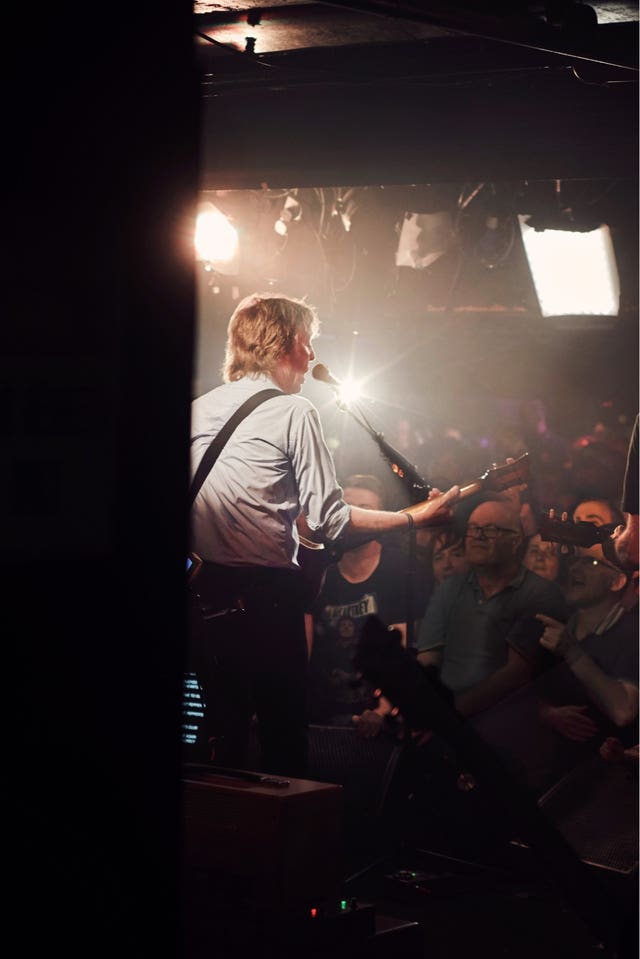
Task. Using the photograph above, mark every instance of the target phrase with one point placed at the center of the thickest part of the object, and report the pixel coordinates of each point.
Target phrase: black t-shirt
(339, 613)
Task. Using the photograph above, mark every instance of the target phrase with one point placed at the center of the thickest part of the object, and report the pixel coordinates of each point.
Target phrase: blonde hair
(262, 330)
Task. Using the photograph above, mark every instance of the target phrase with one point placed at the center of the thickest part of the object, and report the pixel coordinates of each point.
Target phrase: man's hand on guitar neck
(436, 509)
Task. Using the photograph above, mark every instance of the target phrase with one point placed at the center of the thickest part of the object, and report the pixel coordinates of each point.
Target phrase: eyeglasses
(488, 532)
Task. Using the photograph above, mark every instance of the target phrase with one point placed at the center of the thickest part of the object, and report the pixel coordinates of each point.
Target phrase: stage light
(574, 272)
(344, 209)
(349, 391)
(424, 238)
(291, 212)
(216, 240)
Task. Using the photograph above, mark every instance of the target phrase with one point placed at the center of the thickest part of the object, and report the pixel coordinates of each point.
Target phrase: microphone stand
(417, 488)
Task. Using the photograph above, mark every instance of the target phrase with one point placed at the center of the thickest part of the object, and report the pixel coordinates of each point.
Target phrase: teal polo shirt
(475, 633)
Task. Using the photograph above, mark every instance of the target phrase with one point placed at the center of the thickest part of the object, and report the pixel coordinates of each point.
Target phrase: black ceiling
(370, 91)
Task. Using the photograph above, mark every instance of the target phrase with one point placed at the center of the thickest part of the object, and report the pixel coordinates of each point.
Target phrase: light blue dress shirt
(275, 466)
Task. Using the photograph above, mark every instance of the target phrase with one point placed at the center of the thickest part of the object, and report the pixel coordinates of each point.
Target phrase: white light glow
(349, 392)
(216, 240)
(574, 274)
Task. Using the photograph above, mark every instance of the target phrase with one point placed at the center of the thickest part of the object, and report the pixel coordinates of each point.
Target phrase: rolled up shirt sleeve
(319, 494)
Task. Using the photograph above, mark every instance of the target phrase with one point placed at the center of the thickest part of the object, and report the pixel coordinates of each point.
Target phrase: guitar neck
(498, 479)
(583, 534)
(469, 489)
(317, 555)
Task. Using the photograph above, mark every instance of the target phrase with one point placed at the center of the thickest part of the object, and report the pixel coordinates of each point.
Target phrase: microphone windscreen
(320, 372)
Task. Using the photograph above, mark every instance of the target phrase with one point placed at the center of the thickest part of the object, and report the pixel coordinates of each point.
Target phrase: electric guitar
(315, 556)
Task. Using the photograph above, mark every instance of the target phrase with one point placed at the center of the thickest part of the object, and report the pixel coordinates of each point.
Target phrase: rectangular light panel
(574, 274)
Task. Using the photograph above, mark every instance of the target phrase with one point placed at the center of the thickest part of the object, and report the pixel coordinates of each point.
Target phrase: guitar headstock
(500, 478)
(564, 531)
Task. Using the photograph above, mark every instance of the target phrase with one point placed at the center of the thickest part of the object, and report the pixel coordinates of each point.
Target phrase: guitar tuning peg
(564, 517)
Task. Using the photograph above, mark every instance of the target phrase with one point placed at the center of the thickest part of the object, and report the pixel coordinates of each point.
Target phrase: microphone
(320, 372)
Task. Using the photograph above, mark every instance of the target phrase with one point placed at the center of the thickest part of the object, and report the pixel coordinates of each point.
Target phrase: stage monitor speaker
(595, 807)
(274, 847)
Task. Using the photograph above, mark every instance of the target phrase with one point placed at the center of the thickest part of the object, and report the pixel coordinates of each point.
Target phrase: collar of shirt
(515, 583)
(612, 617)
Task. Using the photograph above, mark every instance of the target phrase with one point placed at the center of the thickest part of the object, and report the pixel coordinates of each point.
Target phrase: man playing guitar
(250, 650)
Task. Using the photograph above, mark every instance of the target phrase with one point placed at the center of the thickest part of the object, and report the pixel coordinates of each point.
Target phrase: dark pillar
(101, 131)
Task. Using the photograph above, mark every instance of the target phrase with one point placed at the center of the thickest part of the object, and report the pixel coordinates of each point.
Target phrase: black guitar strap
(215, 447)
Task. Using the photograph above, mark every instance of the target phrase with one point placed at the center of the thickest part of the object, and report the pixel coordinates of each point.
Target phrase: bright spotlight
(349, 391)
(216, 239)
(574, 273)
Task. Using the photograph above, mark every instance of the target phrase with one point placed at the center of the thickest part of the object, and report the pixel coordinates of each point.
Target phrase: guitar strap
(215, 447)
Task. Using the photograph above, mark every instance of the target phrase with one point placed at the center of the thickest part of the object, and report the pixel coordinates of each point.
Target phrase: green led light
(343, 903)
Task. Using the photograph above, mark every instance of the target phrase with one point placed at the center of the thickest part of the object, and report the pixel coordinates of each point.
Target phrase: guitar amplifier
(264, 843)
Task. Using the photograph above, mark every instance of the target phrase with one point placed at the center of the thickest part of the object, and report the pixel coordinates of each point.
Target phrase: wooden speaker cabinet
(275, 847)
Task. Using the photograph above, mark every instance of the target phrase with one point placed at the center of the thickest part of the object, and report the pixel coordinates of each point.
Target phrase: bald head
(494, 535)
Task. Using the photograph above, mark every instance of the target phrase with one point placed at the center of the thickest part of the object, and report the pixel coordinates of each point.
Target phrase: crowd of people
(529, 621)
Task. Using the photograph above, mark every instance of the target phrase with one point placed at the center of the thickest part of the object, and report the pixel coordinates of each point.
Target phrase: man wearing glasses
(480, 628)
(593, 691)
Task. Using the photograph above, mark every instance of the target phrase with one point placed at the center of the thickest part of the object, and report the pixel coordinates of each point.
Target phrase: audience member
(593, 691)
(543, 558)
(479, 628)
(626, 538)
(603, 513)
(588, 693)
(598, 511)
(370, 579)
(448, 555)
(441, 553)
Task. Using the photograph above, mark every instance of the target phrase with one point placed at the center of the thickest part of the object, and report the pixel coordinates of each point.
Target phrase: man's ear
(619, 582)
(629, 595)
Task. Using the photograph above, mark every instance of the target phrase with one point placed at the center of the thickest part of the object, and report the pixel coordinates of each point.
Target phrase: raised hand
(572, 722)
(557, 638)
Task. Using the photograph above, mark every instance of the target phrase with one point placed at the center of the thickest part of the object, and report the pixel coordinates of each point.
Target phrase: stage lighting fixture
(424, 238)
(291, 212)
(344, 208)
(574, 272)
(216, 241)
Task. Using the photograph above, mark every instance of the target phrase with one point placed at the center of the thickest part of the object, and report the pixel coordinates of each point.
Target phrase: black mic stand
(417, 488)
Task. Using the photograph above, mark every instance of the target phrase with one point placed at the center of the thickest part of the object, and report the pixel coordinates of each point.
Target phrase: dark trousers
(253, 661)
